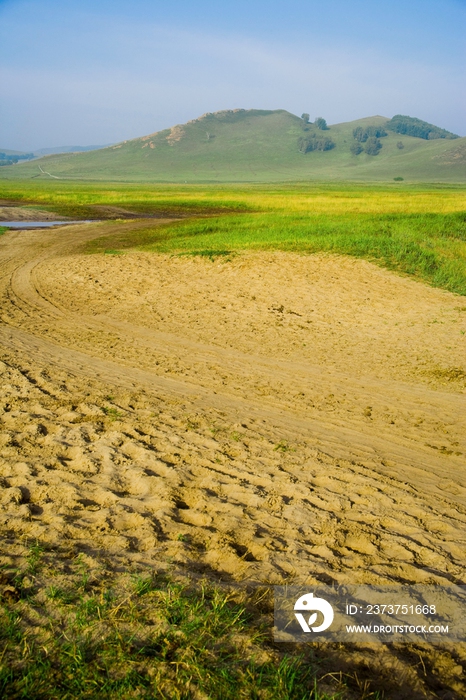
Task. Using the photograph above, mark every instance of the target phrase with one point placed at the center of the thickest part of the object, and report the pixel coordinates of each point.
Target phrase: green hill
(67, 149)
(262, 146)
(8, 152)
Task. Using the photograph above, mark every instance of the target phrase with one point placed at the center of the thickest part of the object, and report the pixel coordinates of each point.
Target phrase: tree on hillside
(362, 135)
(315, 143)
(321, 124)
(411, 126)
(359, 134)
(356, 148)
(372, 146)
(377, 131)
(400, 145)
(305, 117)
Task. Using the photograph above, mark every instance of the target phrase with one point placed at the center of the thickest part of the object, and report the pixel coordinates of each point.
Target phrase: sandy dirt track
(270, 417)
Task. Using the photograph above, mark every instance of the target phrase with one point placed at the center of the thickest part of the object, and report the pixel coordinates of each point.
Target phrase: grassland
(418, 231)
(253, 146)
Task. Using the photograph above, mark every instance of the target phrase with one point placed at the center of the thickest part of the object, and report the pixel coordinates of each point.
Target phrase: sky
(103, 71)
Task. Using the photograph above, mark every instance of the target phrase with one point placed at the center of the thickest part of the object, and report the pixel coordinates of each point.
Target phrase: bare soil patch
(13, 213)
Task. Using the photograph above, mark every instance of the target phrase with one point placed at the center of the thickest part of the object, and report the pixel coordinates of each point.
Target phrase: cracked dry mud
(269, 418)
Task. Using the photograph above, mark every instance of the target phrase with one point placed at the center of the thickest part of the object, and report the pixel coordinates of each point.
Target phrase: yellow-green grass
(418, 230)
(78, 198)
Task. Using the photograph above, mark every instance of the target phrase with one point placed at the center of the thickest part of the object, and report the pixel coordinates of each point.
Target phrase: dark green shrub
(362, 135)
(321, 124)
(372, 146)
(356, 148)
(376, 131)
(315, 143)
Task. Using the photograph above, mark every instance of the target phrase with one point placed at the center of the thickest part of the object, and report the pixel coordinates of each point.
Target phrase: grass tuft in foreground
(71, 627)
(67, 631)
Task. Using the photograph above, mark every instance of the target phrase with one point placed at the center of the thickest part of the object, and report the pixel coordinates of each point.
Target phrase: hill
(259, 145)
(38, 153)
(9, 152)
(67, 149)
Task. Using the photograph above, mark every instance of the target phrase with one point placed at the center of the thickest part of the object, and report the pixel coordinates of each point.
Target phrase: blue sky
(103, 71)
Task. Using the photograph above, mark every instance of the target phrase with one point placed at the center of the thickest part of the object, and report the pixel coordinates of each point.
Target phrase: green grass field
(253, 146)
(420, 231)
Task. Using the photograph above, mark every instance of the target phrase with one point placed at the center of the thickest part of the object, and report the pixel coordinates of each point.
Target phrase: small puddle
(41, 224)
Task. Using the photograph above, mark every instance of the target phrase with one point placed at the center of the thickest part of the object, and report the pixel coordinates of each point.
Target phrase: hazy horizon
(103, 74)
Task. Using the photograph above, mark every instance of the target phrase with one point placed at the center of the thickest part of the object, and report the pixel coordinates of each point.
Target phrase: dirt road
(269, 417)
